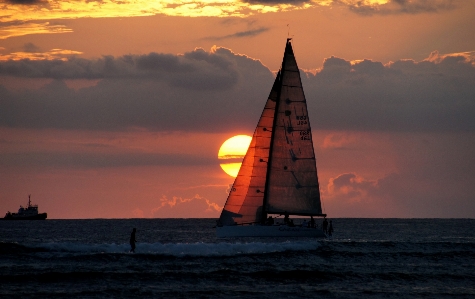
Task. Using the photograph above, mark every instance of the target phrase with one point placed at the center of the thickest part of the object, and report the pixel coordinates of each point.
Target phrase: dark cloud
(84, 160)
(400, 7)
(11, 23)
(405, 95)
(30, 47)
(223, 91)
(367, 8)
(24, 2)
(195, 70)
(232, 21)
(247, 33)
(198, 91)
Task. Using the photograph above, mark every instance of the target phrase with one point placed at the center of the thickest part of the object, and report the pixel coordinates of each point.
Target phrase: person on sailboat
(312, 222)
(270, 221)
(304, 223)
(286, 218)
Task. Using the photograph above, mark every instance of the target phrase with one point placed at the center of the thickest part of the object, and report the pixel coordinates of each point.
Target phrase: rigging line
(295, 177)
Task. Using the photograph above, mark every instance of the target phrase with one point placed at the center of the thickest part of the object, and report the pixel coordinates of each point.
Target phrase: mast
(269, 164)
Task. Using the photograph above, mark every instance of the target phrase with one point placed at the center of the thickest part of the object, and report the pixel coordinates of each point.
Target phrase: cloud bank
(178, 207)
(219, 91)
(207, 90)
(432, 95)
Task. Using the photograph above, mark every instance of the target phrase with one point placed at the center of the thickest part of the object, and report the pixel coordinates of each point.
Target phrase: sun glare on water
(233, 150)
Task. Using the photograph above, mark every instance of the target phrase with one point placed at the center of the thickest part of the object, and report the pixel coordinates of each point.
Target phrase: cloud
(82, 150)
(178, 207)
(30, 47)
(464, 57)
(20, 28)
(410, 175)
(197, 91)
(350, 185)
(31, 10)
(31, 53)
(197, 69)
(29, 16)
(338, 140)
(247, 33)
(431, 95)
(274, 2)
(84, 160)
(402, 194)
(369, 8)
(138, 213)
(25, 2)
(220, 91)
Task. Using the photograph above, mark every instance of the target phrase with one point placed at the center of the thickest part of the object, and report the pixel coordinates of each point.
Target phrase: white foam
(184, 249)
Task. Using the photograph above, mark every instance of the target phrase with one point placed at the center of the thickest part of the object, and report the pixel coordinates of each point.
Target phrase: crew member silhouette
(286, 218)
(132, 241)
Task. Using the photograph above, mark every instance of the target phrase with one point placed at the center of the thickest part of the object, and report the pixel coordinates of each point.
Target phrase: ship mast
(269, 162)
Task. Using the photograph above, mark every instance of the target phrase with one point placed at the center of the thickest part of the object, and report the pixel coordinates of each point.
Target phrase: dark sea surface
(182, 258)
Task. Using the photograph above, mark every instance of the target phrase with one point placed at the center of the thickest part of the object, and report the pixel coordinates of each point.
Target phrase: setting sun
(233, 150)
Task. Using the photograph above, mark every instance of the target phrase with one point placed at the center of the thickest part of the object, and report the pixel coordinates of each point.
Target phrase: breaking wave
(168, 249)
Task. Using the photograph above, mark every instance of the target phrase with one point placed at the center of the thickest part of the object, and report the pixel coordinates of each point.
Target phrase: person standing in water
(132, 241)
(325, 225)
(330, 229)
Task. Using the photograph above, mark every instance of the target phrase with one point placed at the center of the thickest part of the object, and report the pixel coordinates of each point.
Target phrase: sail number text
(301, 119)
(305, 135)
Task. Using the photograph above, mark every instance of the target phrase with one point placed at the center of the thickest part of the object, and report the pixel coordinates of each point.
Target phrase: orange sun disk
(234, 149)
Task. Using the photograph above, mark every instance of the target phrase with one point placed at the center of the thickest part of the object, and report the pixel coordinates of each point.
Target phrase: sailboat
(278, 175)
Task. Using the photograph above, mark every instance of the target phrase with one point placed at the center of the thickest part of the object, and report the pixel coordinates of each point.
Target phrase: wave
(167, 249)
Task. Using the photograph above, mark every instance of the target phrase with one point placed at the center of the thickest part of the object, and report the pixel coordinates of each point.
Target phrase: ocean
(182, 258)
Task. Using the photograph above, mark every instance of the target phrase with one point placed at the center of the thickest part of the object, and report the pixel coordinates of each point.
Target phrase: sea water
(182, 258)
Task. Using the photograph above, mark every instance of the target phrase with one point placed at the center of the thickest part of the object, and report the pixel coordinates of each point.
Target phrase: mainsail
(278, 173)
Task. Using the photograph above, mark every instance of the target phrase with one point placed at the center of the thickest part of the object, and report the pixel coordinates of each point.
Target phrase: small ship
(28, 213)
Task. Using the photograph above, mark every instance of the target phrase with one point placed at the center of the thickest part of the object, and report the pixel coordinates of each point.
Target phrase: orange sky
(114, 110)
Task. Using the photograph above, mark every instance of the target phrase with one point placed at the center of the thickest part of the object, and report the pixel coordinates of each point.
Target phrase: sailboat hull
(267, 231)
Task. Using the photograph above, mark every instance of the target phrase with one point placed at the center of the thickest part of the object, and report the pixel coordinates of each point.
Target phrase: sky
(117, 109)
